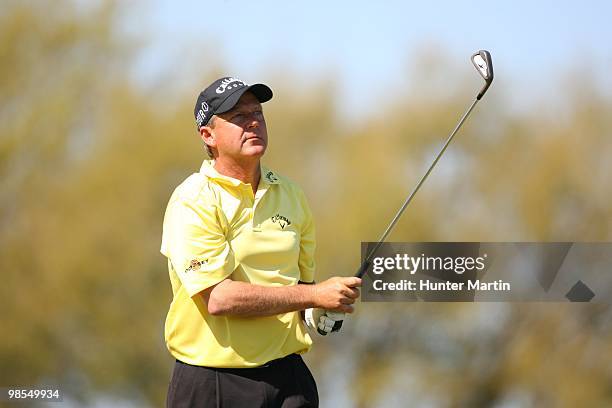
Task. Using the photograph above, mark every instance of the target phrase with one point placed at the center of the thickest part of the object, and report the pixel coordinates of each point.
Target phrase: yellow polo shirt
(216, 228)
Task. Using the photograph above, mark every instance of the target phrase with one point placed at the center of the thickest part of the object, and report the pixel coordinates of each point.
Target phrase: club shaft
(368, 259)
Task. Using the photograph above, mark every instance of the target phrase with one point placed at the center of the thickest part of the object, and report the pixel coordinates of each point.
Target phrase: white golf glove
(323, 321)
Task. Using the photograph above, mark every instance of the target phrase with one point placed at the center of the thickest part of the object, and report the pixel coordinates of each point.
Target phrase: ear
(207, 136)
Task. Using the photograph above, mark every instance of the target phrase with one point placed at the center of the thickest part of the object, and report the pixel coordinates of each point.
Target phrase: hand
(323, 321)
(337, 294)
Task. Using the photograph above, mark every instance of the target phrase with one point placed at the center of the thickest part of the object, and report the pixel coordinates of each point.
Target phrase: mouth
(253, 138)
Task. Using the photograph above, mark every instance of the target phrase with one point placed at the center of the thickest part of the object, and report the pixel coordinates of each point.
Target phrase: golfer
(240, 244)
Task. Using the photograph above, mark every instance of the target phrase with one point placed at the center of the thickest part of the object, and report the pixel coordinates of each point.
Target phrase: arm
(236, 298)
(230, 297)
(303, 312)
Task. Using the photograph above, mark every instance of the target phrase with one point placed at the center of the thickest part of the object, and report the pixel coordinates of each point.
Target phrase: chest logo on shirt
(195, 265)
(281, 220)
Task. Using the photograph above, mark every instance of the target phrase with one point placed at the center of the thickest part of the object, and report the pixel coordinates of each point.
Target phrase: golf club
(484, 65)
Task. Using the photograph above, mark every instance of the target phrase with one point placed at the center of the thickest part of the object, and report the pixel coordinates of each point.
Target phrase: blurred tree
(88, 160)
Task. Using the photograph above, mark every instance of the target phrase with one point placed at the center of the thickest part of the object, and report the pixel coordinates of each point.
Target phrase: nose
(254, 121)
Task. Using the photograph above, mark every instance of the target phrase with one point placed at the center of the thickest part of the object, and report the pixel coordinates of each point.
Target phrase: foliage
(88, 160)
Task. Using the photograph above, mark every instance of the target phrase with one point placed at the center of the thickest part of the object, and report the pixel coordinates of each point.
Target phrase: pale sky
(366, 46)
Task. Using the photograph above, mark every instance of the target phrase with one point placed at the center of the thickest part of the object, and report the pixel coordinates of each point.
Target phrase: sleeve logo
(195, 265)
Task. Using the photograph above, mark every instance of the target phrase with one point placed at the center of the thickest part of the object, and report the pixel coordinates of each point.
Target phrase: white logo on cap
(202, 114)
(227, 83)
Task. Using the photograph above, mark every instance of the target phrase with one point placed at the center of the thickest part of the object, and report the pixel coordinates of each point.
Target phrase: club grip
(362, 269)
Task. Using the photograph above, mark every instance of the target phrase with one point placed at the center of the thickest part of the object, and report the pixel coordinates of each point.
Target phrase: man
(240, 242)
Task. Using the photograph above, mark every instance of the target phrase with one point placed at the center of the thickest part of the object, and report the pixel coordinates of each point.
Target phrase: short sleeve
(194, 242)
(306, 261)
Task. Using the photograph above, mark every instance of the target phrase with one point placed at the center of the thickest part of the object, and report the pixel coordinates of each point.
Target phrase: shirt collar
(268, 176)
(208, 169)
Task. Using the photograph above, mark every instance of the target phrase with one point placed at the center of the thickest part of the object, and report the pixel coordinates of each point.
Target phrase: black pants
(283, 383)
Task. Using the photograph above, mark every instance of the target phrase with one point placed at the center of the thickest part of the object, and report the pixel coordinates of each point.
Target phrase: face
(239, 133)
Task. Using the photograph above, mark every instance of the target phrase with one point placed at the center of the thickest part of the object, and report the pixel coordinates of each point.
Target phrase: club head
(484, 65)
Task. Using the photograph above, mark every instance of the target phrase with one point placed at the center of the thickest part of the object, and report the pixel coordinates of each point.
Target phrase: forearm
(244, 299)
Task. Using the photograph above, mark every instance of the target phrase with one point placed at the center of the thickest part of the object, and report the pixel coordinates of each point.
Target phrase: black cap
(222, 95)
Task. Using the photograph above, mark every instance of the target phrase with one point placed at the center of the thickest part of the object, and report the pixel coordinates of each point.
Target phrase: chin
(255, 150)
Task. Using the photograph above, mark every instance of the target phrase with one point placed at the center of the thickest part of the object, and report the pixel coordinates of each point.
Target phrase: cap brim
(262, 92)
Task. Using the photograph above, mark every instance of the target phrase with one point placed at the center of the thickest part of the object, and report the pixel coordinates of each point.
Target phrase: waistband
(271, 363)
(281, 360)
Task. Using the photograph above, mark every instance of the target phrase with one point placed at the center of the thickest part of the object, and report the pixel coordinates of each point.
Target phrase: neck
(248, 172)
